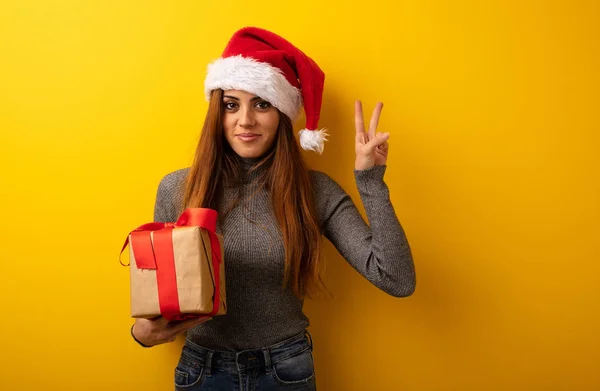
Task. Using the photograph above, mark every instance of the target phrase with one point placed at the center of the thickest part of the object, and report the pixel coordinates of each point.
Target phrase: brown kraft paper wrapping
(195, 276)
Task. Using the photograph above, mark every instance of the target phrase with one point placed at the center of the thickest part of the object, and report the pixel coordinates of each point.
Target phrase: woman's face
(250, 123)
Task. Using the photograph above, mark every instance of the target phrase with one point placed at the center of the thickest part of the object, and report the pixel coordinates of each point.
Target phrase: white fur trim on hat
(262, 79)
(313, 140)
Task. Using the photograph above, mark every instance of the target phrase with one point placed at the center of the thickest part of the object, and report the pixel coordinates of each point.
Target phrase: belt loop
(208, 363)
(267, 355)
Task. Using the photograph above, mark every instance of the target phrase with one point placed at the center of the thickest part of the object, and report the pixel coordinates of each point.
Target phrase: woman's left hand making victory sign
(371, 147)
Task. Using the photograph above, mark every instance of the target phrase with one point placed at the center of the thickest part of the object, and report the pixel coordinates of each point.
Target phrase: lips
(247, 136)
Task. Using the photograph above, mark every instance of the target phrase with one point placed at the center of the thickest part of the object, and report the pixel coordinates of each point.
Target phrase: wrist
(363, 164)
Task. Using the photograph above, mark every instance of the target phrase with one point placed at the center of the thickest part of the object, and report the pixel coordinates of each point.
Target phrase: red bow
(158, 255)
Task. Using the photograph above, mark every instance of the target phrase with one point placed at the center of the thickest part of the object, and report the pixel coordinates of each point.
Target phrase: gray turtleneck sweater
(259, 313)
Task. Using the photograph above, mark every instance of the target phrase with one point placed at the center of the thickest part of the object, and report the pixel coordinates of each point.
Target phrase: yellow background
(494, 172)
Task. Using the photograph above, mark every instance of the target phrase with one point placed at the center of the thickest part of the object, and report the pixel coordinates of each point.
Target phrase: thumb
(379, 139)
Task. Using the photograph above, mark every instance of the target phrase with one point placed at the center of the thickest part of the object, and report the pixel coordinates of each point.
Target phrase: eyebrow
(234, 98)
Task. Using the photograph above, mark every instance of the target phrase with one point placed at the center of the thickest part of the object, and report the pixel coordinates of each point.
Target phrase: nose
(246, 119)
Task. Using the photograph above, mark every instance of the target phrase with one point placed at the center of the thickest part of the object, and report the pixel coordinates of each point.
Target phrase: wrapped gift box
(177, 269)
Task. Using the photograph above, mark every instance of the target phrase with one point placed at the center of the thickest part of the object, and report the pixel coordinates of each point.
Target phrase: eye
(230, 105)
(263, 105)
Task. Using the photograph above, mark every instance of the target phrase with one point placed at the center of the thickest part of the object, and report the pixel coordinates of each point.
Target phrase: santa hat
(262, 63)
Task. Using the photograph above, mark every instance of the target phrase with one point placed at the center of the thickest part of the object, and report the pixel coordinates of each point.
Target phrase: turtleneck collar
(248, 162)
(246, 165)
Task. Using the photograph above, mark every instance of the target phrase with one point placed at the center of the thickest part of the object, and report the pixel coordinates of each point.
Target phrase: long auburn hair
(286, 177)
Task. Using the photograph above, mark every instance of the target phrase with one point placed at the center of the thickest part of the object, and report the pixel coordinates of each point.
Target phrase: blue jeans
(286, 366)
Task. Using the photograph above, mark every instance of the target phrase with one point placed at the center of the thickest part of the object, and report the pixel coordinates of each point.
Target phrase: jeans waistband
(252, 358)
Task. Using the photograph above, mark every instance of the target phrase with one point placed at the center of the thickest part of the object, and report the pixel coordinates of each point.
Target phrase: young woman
(273, 212)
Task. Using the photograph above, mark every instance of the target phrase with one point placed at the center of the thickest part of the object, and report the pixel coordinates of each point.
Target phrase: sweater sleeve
(169, 196)
(380, 252)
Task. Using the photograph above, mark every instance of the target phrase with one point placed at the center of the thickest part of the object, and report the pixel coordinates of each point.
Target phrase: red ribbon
(158, 255)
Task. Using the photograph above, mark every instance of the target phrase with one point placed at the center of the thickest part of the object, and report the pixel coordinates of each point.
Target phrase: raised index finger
(358, 117)
(375, 119)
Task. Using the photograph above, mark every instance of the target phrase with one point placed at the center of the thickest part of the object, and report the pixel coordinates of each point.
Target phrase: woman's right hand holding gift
(156, 331)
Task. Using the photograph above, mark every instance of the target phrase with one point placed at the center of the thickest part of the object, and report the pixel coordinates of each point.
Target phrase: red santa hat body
(262, 63)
